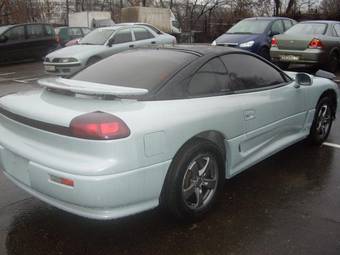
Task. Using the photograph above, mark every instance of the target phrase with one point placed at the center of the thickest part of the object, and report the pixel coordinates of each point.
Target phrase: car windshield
(308, 29)
(249, 26)
(3, 29)
(97, 37)
(146, 68)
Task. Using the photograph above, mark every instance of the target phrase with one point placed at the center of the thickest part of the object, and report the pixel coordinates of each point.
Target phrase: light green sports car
(153, 127)
(314, 43)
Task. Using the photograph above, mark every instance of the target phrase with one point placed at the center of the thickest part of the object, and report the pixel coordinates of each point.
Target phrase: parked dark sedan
(315, 43)
(26, 41)
(254, 34)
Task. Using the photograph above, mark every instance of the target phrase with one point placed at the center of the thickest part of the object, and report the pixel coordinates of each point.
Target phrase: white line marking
(27, 80)
(5, 74)
(334, 145)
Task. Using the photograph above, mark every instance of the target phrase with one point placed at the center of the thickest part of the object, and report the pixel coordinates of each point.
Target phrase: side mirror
(110, 42)
(303, 79)
(3, 38)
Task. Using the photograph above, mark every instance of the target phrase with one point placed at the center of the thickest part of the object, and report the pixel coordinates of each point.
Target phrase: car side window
(35, 31)
(49, 30)
(210, 79)
(288, 24)
(142, 33)
(246, 72)
(123, 36)
(337, 29)
(277, 27)
(15, 34)
(74, 32)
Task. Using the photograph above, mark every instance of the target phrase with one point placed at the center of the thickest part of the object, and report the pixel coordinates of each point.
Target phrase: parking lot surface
(288, 204)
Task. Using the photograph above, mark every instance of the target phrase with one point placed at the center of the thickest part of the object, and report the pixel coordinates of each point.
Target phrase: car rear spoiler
(90, 88)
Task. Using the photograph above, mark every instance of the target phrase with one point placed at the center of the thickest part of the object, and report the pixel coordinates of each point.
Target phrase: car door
(274, 110)
(14, 46)
(121, 40)
(144, 37)
(36, 40)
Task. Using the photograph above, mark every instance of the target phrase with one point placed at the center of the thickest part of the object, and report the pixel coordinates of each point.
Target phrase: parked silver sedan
(101, 43)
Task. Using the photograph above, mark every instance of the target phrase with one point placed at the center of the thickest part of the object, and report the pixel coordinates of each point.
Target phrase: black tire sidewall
(172, 193)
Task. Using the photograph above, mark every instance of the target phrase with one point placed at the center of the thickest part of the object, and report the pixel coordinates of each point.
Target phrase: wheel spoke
(199, 197)
(203, 170)
(209, 183)
(188, 192)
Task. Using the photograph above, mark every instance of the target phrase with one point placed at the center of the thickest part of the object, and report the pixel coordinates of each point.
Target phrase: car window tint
(16, 34)
(308, 29)
(210, 79)
(49, 30)
(137, 68)
(142, 33)
(248, 72)
(35, 31)
(337, 29)
(74, 32)
(288, 24)
(156, 30)
(277, 27)
(123, 36)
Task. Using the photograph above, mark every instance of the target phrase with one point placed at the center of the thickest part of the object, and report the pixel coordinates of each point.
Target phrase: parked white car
(101, 43)
(153, 127)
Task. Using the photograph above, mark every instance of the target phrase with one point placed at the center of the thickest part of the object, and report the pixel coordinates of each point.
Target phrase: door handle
(249, 114)
(131, 46)
(153, 42)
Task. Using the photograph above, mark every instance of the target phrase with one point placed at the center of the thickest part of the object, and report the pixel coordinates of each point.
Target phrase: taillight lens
(315, 44)
(99, 126)
(274, 42)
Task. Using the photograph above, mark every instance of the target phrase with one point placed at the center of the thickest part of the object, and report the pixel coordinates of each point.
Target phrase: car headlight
(213, 43)
(68, 60)
(247, 44)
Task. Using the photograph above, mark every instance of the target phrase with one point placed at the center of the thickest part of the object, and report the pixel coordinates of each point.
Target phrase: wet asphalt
(287, 204)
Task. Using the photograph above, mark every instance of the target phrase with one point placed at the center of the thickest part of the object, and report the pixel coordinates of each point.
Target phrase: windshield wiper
(87, 43)
(241, 33)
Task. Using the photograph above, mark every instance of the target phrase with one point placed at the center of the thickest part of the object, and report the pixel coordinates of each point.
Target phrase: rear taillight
(274, 42)
(99, 126)
(315, 44)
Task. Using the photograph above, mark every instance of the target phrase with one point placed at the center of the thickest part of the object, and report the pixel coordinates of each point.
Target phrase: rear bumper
(308, 56)
(97, 197)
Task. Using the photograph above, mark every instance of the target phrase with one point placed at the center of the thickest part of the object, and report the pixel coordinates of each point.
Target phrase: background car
(255, 34)
(157, 126)
(26, 41)
(314, 43)
(66, 34)
(73, 42)
(101, 43)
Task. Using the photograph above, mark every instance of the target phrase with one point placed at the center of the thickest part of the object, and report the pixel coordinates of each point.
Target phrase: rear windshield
(145, 68)
(308, 29)
(97, 37)
(249, 26)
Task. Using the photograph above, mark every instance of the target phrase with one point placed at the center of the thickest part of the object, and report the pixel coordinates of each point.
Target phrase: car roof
(320, 21)
(267, 18)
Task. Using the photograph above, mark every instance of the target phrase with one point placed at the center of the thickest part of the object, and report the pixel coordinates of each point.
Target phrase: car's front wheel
(333, 63)
(194, 181)
(322, 122)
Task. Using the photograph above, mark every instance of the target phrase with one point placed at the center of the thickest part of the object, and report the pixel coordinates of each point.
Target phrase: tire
(194, 181)
(92, 61)
(264, 52)
(283, 65)
(333, 63)
(322, 122)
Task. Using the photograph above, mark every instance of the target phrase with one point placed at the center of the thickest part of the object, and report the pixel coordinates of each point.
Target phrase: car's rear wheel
(283, 65)
(322, 122)
(333, 62)
(194, 180)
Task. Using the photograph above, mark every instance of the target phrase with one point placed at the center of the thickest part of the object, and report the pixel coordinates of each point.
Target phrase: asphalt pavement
(287, 204)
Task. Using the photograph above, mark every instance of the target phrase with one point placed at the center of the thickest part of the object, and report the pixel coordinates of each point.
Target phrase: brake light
(99, 126)
(315, 44)
(274, 42)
